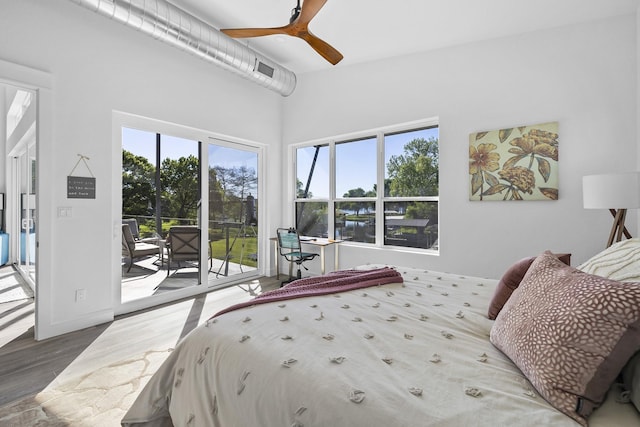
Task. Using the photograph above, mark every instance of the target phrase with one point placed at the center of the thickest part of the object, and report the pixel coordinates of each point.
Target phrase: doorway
(177, 178)
(21, 197)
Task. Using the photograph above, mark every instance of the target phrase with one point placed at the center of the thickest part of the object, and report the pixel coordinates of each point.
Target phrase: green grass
(218, 243)
(250, 248)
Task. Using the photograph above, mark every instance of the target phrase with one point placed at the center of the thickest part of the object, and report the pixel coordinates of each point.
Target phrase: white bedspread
(411, 354)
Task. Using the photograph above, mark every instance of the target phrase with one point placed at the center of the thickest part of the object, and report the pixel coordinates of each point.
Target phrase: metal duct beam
(168, 23)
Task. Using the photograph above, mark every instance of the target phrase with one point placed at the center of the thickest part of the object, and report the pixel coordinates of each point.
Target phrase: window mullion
(331, 207)
(380, 191)
(158, 184)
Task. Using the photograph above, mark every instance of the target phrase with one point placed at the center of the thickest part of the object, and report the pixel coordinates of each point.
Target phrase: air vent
(265, 69)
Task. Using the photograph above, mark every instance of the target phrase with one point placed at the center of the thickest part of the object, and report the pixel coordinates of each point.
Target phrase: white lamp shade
(611, 191)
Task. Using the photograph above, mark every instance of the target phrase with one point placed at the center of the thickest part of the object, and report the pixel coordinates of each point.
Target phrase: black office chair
(290, 249)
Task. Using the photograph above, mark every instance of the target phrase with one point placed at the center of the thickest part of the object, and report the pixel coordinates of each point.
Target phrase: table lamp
(616, 192)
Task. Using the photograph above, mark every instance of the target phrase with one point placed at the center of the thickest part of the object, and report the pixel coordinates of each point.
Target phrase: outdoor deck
(148, 276)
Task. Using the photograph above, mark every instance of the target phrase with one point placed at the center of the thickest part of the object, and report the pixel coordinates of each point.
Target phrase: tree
(354, 192)
(414, 173)
(300, 191)
(179, 179)
(243, 181)
(138, 184)
(236, 184)
(216, 195)
(427, 210)
(357, 206)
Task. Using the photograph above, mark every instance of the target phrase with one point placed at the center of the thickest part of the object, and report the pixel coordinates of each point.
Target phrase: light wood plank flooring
(28, 366)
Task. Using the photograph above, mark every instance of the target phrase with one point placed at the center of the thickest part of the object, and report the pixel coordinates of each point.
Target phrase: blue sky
(143, 143)
(355, 162)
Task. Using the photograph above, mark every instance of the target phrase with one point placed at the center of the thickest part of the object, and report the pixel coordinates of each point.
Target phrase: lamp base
(618, 228)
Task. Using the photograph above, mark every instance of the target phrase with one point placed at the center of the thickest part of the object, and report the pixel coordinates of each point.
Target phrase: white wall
(582, 76)
(98, 66)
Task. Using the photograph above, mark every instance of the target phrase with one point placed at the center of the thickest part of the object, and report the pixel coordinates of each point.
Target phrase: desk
(320, 242)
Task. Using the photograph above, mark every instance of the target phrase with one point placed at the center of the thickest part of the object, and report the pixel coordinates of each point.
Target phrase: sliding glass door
(172, 184)
(232, 208)
(160, 194)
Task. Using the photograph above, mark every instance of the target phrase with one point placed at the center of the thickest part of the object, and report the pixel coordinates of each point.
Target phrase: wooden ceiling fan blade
(254, 32)
(309, 10)
(297, 27)
(325, 50)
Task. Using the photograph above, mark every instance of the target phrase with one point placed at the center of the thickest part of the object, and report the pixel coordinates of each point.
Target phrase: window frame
(380, 199)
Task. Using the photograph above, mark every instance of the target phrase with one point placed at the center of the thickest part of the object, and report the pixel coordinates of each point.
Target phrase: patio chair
(132, 249)
(290, 249)
(183, 244)
(135, 231)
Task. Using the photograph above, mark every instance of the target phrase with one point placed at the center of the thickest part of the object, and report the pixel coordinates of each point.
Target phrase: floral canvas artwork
(519, 163)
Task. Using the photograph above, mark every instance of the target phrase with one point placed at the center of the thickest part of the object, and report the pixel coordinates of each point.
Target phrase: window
(338, 188)
(312, 189)
(160, 180)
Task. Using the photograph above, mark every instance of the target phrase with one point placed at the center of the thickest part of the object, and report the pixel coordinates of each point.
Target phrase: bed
(411, 348)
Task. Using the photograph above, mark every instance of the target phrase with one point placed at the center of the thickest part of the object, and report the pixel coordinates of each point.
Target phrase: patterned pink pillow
(570, 333)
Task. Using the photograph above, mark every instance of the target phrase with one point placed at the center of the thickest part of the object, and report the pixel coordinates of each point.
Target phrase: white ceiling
(365, 30)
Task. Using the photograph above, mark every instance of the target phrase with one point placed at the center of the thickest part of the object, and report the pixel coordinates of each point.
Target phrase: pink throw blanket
(337, 281)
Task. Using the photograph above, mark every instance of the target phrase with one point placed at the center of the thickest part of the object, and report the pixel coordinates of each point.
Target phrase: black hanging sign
(81, 187)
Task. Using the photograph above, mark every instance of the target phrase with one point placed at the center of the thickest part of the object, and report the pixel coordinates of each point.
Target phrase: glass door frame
(22, 200)
(26, 247)
(240, 229)
(206, 138)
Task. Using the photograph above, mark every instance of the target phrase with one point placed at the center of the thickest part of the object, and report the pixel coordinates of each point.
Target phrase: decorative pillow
(620, 261)
(631, 380)
(511, 280)
(508, 283)
(570, 333)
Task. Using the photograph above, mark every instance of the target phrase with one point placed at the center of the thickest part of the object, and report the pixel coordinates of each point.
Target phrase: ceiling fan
(297, 27)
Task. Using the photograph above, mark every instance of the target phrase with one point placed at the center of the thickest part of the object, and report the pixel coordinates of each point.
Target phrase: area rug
(98, 399)
(12, 287)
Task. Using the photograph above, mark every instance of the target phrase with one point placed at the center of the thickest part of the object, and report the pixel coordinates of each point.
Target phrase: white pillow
(620, 261)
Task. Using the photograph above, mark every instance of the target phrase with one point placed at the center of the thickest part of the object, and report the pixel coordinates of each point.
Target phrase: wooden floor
(28, 366)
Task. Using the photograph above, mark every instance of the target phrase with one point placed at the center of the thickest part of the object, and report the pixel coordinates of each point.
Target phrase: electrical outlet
(81, 295)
